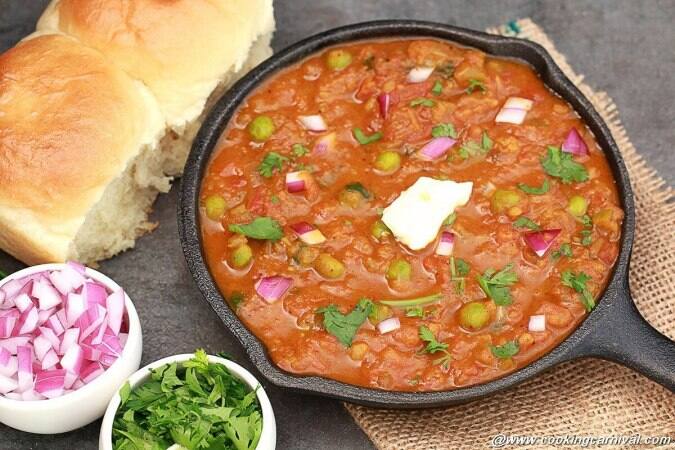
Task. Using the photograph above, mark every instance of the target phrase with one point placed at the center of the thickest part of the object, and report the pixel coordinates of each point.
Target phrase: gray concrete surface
(623, 47)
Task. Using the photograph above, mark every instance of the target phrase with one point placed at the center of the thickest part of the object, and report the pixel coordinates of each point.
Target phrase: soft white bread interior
(76, 139)
(98, 110)
(181, 49)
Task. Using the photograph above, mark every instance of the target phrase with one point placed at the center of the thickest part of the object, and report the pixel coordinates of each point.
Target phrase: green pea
(261, 128)
(577, 206)
(379, 313)
(474, 315)
(329, 267)
(215, 206)
(504, 199)
(388, 161)
(338, 59)
(241, 256)
(399, 270)
(379, 229)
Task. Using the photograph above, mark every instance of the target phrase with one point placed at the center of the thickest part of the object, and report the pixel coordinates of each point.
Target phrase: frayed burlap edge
(588, 397)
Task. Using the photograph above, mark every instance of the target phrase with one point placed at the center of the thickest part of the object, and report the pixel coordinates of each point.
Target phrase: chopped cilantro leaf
(358, 187)
(472, 148)
(578, 283)
(422, 102)
(534, 190)
(271, 162)
(199, 405)
(459, 269)
(264, 228)
(437, 89)
(496, 284)
(524, 222)
(363, 139)
(299, 150)
(561, 165)
(475, 84)
(274, 199)
(564, 250)
(344, 326)
(444, 129)
(505, 350)
(433, 346)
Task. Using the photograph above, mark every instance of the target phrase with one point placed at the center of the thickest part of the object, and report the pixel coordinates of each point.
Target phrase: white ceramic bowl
(83, 406)
(268, 437)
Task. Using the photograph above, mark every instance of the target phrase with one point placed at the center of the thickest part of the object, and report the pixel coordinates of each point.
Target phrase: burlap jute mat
(587, 397)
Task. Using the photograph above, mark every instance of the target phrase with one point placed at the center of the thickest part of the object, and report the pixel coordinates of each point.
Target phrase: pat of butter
(418, 213)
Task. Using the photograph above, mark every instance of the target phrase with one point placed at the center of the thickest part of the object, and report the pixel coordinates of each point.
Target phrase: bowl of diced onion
(69, 337)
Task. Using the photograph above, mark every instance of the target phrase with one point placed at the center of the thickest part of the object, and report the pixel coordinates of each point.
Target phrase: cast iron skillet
(614, 330)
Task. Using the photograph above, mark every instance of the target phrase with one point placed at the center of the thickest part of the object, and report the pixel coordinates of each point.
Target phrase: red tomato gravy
(463, 318)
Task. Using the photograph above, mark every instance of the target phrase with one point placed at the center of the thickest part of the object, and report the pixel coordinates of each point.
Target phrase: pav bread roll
(98, 110)
(183, 50)
(77, 144)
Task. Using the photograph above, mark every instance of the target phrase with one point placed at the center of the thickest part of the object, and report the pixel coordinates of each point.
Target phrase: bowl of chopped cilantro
(190, 401)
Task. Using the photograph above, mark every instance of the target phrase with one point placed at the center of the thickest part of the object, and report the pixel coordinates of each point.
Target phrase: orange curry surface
(462, 318)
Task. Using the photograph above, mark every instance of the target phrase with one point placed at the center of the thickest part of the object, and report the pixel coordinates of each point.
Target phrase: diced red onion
(13, 343)
(6, 326)
(49, 334)
(10, 367)
(115, 305)
(57, 323)
(419, 74)
(308, 234)
(23, 302)
(41, 345)
(72, 359)
(79, 268)
(540, 241)
(25, 372)
(514, 110)
(445, 244)
(296, 181)
(47, 296)
(7, 385)
(76, 305)
(28, 321)
(91, 371)
(537, 323)
(50, 360)
(388, 325)
(313, 123)
(384, 101)
(4, 356)
(94, 294)
(437, 147)
(575, 144)
(273, 288)
(50, 383)
(70, 338)
(12, 288)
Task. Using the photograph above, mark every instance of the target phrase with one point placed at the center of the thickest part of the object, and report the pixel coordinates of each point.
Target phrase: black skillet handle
(625, 337)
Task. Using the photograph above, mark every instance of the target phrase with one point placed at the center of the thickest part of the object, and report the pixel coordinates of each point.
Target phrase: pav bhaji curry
(409, 215)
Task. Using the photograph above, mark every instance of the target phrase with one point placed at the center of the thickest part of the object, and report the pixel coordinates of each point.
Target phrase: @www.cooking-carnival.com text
(577, 440)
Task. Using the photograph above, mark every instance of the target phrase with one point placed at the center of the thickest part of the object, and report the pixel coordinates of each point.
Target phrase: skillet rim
(529, 52)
